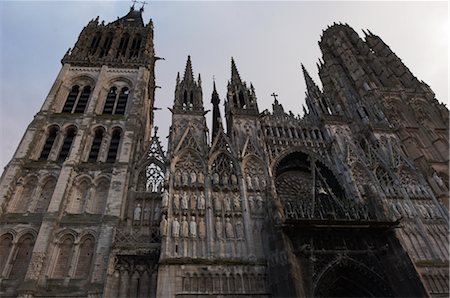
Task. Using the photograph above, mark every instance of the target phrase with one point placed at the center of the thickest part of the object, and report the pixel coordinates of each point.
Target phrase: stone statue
(234, 181)
(236, 202)
(176, 201)
(185, 178)
(163, 226)
(175, 228)
(184, 201)
(239, 230)
(259, 202)
(137, 212)
(193, 227)
(251, 202)
(229, 228)
(216, 179)
(146, 214)
(165, 199)
(184, 228)
(249, 182)
(201, 228)
(201, 178)
(227, 203)
(193, 178)
(218, 228)
(177, 178)
(256, 183)
(225, 180)
(193, 202)
(217, 203)
(201, 202)
(263, 183)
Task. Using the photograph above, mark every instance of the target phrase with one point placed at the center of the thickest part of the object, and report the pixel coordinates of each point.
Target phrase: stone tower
(67, 188)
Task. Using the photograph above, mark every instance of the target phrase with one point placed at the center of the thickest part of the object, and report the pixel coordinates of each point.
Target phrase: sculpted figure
(184, 201)
(163, 226)
(175, 228)
(201, 178)
(193, 227)
(234, 181)
(225, 180)
(259, 202)
(184, 227)
(216, 179)
(236, 202)
(185, 178)
(201, 228)
(218, 228)
(201, 201)
(227, 203)
(239, 229)
(165, 199)
(177, 178)
(193, 178)
(263, 183)
(217, 203)
(256, 182)
(193, 202)
(146, 214)
(156, 213)
(249, 182)
(176, 201)
(229, 228)
(251, 202)
(137, 212)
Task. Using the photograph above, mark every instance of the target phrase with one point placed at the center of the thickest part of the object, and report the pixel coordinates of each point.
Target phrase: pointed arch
(96, 144)
(70, 133)
(80, 195)
(114, 144)
(64, 256)
(26, 193)
(85, 256)
(100, 196)
(6, 244)
(52, 133)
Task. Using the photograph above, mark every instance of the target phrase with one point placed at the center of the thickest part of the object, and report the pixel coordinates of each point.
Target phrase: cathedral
(349, 200)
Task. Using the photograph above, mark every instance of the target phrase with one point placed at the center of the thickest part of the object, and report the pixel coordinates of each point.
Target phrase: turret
(188, 92)
(216, 118)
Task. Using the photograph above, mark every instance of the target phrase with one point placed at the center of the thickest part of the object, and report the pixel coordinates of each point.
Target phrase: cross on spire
(274, 96)
(136, 1)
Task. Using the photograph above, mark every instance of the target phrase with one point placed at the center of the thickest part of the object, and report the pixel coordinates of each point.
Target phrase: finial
(274, 96)
(155, 131)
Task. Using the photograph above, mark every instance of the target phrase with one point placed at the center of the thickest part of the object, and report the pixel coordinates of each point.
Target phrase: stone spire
(217, 119)
(188, 92)
(188, 73)
(234, 72)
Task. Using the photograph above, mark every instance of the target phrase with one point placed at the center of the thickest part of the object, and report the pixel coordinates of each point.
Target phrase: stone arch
(6, 245)
(64, 254)
(188, 161)
(98, 198)
(151, 176)
(25, 193)
(48, 185)
(346, 277)
(79, 195)
(85, 256)
(255, 173)
(22, 256)
(222, 166)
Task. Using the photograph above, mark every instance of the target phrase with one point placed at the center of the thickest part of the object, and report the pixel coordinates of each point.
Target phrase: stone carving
(216, 179)
(217, 203)
(163, 226)
(256, 182)
(201, 178)
(193, 202)
(239, 230)
(236, 202)
(201, 202)
(175, 228)
(176, 201)
(156, 213)
(165, 199)
(185, 178)
(229, 228)
(137, 212)
(227, 203)
(202, 228)
(218, 228)
(177, 178)
(249, 183)
(184, 227)
(234, 181)
(193, 178)
(193, 227)
(146, 214)
(184, 201)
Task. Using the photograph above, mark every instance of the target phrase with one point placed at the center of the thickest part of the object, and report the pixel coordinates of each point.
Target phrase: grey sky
(268, 40)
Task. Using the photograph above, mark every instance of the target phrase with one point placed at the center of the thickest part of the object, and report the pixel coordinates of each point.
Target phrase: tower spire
(234, 72)
(188, 73)
(313, 89)
(217, 119)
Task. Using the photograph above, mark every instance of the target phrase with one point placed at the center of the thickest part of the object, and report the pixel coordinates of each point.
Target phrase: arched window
(96, 143)
(64, 258)
(52, 133)
(46, 194)
(110, 101)
(95, 42)
(114, 145)
(71, 99)
(99, 198)
(106, 45)
(79, 196)
(67, 144)
(5, 249)
(22, 257)
(135, 46)
(85, 257)
(123, 45)
(185, 98)
(26, 195)
(82, 101)
(242, 100)
(122, 101)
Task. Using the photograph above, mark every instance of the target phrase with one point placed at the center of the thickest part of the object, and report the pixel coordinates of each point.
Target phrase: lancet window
(114, 145)
(116, 102)
(67, 144)
(77, 99)
(51, 137)
(96, 144)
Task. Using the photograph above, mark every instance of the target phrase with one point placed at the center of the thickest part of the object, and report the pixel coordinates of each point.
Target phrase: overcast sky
(268, 40)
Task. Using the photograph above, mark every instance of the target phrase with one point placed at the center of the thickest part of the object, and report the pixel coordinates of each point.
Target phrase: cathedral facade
(349, 200)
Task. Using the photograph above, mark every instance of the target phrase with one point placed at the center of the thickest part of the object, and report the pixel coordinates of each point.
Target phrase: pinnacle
(234, 72)
(188, 73)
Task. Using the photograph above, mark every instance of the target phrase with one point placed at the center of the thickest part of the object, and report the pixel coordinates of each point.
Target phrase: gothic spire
(188, 73)
(217, 119)
(313, 89)
(188, 92)
(234, 72)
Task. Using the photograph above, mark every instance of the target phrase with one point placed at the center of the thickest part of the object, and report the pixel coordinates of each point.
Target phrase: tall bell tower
(67, 187)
